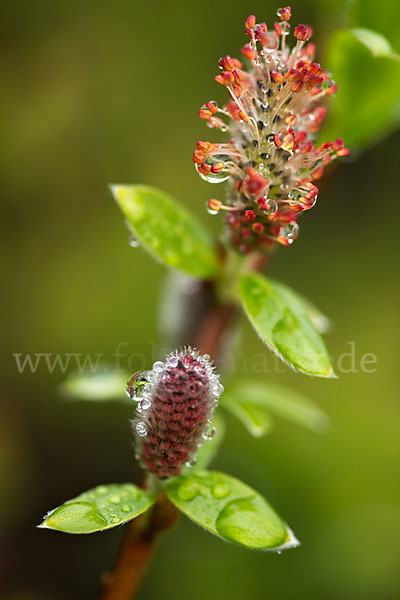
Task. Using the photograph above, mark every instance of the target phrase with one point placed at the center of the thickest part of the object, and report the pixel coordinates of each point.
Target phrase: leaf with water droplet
(230, 509)
(352, 55)
(101, 386)
(284, 327)
(100, 508)
(277, 399)
(167, 230)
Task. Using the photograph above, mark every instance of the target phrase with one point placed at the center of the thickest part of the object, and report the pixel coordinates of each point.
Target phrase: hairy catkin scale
(175, 409)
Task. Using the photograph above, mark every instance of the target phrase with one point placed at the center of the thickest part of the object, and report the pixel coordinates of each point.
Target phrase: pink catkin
(175, 410)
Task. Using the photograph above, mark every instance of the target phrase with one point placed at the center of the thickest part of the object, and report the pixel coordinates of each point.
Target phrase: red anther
(250, 215)
(294, 75)
(303, 32)
(214, 204)
(317, 174)
(250, 22)
(278, 77)
(319, 113)
(254, 183)
(238, 76)
(327, 159)
(285, 13)
(217, 167)
(246, 233)
(278, 29)
(237, 63)
(204, 112)
(206, 146)
(297, 86)
(219, 79)
(291, 120)
(326, 146)
(257, 228)
(248, 52)
(338, 144)
(315, 69)
(331, 90)
(306, 148)
(227, 63)
(198, 157)
(343, 152)
(212, 106)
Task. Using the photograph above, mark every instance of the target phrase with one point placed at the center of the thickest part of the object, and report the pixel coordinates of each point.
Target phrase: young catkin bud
(176, 401)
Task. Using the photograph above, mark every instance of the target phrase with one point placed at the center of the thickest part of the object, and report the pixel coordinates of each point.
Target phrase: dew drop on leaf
(187, 491)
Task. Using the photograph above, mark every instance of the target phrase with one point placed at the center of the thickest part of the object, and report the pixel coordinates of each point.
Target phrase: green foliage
(385, 20)
(284, 325)
(229, 509)
(103, 507)
(96, 387)
(266, 398)
(254, 418)
(167, 230)
(367, 105)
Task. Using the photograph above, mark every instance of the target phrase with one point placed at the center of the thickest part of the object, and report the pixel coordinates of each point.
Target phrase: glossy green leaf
(366, 13)
(276, 399)
(367, 105)
(167, 230)
(230, 509)
(96, 387)
(303, 305)
(283, 326)
(209, 448)
(255, 418)
(103, 507)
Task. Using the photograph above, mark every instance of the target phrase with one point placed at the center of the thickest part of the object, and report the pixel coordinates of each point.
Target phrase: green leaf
(209, 448)
(365, 13)
(303, 305)
(167, 230)
(255, 418)
(96, 387)
(230, 509)
(283, 326)
(103, 507)
(367, 105)
(276, 399)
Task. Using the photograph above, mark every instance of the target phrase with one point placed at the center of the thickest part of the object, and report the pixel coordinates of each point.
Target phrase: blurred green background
(102, 91)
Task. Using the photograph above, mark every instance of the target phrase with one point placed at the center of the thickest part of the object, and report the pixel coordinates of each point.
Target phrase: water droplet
(101, 489)
(114, 499)
(209, 433)
(133, 241)
(257, 61)
(208, 521)
(217, 388)
(126, 508)
(141, 429)
(158, 366)
(220, 490)
(223, 128)
(270, 139)
(270, 207)
(173, 361)
(210, 210)
(206, 357)
(214, 177)
(264, 89)
(115, 519)
(187, 491)
(190, 463)
(145, 403)
(253, 45)
(289, 232)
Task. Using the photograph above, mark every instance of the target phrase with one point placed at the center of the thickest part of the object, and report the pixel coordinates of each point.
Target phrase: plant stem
(136, 551)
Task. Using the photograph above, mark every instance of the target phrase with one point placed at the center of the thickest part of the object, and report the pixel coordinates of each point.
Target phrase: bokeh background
(101, 91)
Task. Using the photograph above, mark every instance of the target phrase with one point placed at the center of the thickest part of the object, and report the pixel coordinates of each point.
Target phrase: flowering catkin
(176, 400)
(270, 161)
